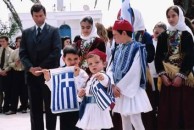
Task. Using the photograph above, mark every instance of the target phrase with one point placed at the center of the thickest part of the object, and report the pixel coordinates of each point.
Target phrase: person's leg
(117, 122)
(149, 118)
(15, 92)
(1, 95)
(50, 117)
(7, 92)
(23, 93)
(1, 101)
(36, 103)
(137, 121)
(68, 120)
(126, 123)
(188, 107)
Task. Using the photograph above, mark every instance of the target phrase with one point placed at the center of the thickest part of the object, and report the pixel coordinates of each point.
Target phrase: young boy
(128, 72)
(71, 57)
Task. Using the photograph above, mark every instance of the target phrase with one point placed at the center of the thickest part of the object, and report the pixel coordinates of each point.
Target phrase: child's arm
(81, 94)
(102, 78)
(47, 75)
(80, 77)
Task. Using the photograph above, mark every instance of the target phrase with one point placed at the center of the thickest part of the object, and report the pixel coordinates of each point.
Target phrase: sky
(152, 11)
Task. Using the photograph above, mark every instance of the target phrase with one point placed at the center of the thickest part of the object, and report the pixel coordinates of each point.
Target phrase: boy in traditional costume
(128, 74)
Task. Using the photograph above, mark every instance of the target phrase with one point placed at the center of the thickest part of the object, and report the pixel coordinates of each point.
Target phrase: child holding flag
(96, 96)
(71, 58)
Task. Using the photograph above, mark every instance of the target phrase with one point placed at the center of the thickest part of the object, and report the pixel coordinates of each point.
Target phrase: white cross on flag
(63, 90)
(104, 98)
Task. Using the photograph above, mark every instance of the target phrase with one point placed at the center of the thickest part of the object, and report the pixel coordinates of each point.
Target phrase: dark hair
(192, 21)
(18, 37)
(189, 24)
(69, 49)
(37, 7)
(87, 19)
(109, 32)
(4, 37)
(128, 32)
(64, 39)
(76, 38)
(160, 25)
(174, 8)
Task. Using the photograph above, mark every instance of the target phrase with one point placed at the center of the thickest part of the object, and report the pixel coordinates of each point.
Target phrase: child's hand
(99, 76)
(177, 81)
(76, 71)
(166, 81)
(116, 91)
(81, 92)
(47, 75)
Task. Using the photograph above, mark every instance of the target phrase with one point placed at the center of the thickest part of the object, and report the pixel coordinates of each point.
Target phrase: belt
(90, 99)
(83, 104)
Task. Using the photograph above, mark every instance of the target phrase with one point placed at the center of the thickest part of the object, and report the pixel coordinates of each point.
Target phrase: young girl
(174, 61)
(89, 40)
(92, 117)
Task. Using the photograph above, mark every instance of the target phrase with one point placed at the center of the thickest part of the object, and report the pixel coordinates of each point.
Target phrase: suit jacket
(45, 52)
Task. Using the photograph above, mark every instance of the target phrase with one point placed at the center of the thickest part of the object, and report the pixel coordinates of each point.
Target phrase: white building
(68, 22)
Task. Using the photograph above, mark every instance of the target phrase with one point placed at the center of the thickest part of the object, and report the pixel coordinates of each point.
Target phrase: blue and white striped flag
(104, 98)
(126, 11)
(63, 91)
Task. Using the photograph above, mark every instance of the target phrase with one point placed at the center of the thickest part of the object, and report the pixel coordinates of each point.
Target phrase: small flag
(104, 96)
(63, 91)
(126, 11)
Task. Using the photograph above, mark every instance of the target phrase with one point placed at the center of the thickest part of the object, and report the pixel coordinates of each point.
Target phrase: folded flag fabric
(104, 96)
(63, 90)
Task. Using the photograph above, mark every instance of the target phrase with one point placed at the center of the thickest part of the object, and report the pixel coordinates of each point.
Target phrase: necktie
(2, 59)
(39, 32)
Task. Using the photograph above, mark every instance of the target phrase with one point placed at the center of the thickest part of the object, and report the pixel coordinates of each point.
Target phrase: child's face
(67, 42)
(95, 64)
(18, 43)
(172, 17)
(117, 36)
(71, 59)
(157, 31)
(86, 28)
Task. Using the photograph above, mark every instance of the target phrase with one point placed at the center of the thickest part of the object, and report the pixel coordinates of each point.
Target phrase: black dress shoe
(10, 112)
(1, 110)
(19, 109)
(24, 111)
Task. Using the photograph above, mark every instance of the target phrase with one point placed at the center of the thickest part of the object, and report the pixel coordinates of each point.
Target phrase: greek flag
(104, 98)
(126, 11)
(63, 91)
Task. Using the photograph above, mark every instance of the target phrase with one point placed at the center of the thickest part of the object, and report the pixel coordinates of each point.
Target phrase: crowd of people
(144, 80)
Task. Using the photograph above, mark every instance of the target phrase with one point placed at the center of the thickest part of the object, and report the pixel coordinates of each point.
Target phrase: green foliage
(14, 13)
(9, 30)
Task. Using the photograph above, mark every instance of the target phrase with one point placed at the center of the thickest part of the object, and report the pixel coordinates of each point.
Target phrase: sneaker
(10, 112)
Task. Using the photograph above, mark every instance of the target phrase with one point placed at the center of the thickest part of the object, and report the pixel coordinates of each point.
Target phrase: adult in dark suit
(40, 49)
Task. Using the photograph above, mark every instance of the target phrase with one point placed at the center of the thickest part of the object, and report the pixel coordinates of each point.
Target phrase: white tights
(135, 120)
